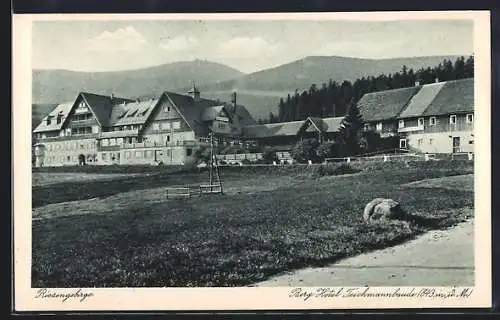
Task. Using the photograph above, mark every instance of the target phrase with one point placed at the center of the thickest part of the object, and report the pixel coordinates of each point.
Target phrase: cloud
(248, 47)
(179, 43)
(123, 39)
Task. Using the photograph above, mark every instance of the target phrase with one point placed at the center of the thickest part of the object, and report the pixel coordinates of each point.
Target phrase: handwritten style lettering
(78, 294)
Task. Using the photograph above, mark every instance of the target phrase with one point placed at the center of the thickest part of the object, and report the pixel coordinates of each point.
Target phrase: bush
(269, 155)
(333, 170)
(327, 149)
(305, 150)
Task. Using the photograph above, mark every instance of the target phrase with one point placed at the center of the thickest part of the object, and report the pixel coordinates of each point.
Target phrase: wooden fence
(188, 192)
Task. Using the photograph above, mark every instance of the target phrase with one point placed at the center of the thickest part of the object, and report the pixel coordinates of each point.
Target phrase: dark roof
(385, 105)
(454, 97)
(190, 111)
(102, 105)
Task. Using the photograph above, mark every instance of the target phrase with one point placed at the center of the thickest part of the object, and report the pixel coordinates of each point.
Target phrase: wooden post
(211, 157)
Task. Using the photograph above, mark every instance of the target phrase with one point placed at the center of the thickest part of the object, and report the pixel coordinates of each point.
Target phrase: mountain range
(259, 91)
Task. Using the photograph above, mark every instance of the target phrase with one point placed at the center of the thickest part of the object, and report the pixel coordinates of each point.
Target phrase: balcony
(411, 129)
(153, 144)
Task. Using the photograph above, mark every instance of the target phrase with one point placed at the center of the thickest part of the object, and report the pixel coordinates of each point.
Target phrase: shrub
(269, 155)
(333, 170)
(305, 150)
(370, 142)
(327, 149)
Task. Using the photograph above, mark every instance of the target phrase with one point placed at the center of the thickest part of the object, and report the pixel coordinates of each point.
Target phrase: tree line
(332, 99)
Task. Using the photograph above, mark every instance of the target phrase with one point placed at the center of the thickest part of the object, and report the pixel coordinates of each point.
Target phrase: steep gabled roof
(454, 97)
(421, 100)
(63, 110)
(385, 105)
(210, 113)
(244, 116)
(191, 111)
(332, 124)
(102, 106)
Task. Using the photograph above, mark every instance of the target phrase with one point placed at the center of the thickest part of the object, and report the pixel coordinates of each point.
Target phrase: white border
(238, 298)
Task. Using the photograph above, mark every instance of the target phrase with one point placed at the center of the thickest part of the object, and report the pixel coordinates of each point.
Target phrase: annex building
(431, 118)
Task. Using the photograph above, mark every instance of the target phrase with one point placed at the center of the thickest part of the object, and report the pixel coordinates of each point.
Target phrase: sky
(247, 46)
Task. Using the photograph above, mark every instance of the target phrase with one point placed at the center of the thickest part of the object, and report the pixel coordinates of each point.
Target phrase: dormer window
(420, 122)
(379, 126)
(401, 123)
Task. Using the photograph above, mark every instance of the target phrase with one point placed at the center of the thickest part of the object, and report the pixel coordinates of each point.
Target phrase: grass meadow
(122, 232)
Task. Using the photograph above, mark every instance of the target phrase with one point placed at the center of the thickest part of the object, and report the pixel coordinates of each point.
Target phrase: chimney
(436, 80)
(233, 101)
(417, 83)
(194, 93)
(112, 96)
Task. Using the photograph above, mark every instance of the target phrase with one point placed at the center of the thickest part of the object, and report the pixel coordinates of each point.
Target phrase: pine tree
(281, 110)
(350, 130)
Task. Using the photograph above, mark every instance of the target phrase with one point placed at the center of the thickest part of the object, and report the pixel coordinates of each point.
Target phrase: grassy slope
(235, 239)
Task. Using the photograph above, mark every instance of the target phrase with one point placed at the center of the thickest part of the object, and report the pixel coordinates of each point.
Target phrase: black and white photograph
(321, 156)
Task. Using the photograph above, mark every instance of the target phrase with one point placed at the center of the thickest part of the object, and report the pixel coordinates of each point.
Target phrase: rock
(380, 209)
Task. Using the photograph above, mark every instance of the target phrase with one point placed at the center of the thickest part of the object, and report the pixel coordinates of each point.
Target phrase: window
(189, 152)
(402, 143)
(176, 125)
(48, 121)
(168, 138)
(470, 118)
(379, 126)
(471, 141)
(420, 122)
(165, 126)
(149, 154)
(367, 127)
(401, 123)
(103, 156)
(432, 121)
(68, 158)
(138, 154)
(127, 154)
(221, 125)
(132, 114)
(105, 142)
(156, 126)
(453, 119)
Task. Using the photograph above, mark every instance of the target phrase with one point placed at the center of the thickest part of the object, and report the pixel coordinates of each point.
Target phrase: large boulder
(380, 209)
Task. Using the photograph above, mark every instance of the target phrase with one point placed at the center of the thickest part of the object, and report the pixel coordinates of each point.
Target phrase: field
(123, 232)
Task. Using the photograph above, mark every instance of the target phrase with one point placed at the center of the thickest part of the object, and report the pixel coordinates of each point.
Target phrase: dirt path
(437, 258)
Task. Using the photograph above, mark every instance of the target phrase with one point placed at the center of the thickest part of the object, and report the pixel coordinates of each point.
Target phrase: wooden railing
(188, 192)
